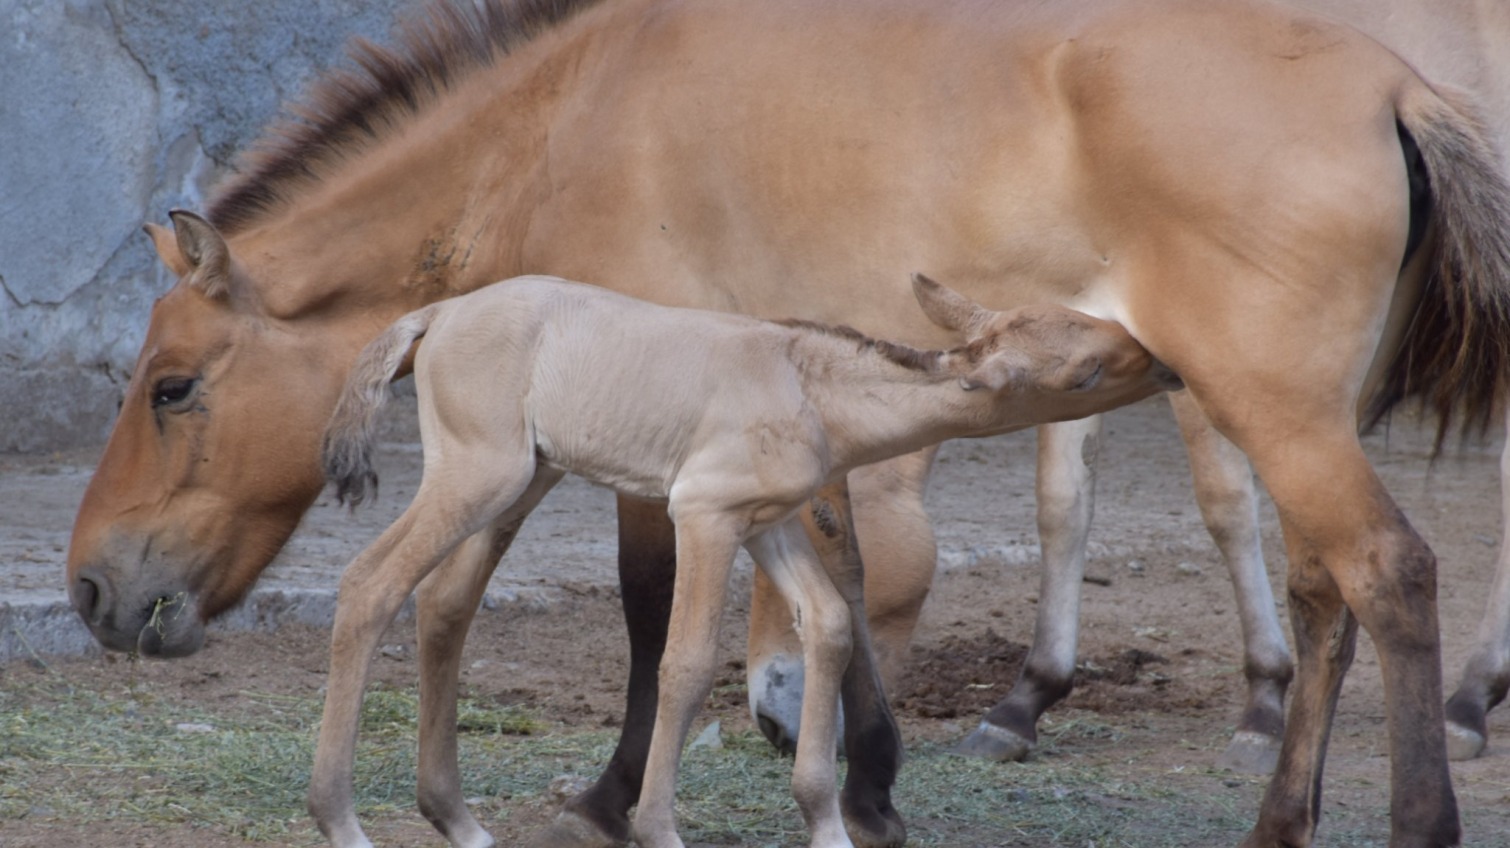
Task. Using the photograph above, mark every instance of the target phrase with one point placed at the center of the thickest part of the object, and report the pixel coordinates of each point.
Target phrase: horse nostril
(775, 733)
(86, 598)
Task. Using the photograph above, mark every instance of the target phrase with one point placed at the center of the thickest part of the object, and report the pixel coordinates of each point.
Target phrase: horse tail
(347, 451)
(1456, 352)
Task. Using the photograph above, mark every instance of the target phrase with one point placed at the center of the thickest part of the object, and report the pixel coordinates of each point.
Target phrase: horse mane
(925, 361)
(350, 107)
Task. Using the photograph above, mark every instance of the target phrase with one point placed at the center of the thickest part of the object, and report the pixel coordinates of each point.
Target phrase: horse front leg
(1066, 499)
(1225, 493)
(446, 602)
(1486, 676)
(871, 738)
(599, 816)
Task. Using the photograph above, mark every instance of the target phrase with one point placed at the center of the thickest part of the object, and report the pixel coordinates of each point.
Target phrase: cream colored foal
(734, 422)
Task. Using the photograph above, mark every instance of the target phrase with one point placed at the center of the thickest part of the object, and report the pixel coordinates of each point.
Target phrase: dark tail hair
(349, 437)
(1455, 356)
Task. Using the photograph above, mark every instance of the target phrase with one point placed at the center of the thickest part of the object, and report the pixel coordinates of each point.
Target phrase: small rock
(193, 727)
(1189, 569)
(393, 652)
(711, 738)
(1136, 566)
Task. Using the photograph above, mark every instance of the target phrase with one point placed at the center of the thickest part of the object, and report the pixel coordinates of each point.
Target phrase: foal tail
(1456, 352)
(349, 437)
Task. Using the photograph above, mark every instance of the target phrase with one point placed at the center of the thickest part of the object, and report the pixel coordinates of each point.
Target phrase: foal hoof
(997, 744)
(570, 830)
(1464, 743)
(1250, 752)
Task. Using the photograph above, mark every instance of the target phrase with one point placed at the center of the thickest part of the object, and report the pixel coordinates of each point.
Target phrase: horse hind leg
(1225, 492)
(1486, 676)
(1066, 497)
(446, 601)
(1353, 554)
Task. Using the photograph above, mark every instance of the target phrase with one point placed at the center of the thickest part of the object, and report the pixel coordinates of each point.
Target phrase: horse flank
(1456, 352)
(347, 449)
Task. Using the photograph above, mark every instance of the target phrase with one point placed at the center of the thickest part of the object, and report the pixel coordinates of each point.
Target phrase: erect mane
(350, 107)
(926, 361)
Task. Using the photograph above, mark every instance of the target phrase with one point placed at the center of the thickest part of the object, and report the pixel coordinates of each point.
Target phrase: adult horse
(1247, 222)
(1465, 43)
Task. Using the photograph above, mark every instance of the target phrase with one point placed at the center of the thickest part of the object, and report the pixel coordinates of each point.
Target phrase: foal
(733, 421)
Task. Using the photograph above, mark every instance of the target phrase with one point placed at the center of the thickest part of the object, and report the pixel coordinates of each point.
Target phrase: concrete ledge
(52, 628)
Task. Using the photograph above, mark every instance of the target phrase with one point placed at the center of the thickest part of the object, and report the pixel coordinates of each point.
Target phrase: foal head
(1047, 361)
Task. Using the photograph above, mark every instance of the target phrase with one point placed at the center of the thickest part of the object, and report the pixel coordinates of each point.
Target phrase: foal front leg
(787, 555)
(871, 738)
(599, 816)
(705, 547)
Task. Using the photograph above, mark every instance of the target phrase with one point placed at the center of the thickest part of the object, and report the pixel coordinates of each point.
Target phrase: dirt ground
(1160, 653)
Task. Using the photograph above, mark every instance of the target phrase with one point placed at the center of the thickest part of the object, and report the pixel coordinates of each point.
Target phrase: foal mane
(350, 107)
(926, 361)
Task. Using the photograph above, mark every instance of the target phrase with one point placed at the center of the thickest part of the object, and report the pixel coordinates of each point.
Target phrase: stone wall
(111, 113)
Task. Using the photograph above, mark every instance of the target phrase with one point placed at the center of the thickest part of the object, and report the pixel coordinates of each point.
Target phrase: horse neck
(409, 220)
(875, 408)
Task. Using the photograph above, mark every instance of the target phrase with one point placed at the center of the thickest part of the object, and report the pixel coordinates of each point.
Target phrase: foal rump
(346, 452)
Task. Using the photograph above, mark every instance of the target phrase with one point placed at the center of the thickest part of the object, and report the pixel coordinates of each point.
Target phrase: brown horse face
(210, 464)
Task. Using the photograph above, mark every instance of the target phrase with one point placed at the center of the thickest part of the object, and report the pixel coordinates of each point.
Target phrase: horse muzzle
(161, 622)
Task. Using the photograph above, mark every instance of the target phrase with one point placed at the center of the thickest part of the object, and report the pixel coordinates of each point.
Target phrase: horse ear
(204, 251)
(948, 308)
(167, 248)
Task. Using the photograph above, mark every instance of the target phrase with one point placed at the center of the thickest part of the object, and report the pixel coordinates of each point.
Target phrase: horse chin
(174, 631)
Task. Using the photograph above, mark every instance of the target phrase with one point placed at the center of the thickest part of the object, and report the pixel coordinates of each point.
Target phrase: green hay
(77, 756)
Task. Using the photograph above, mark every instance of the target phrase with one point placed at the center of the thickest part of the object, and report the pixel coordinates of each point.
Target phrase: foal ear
(204, 252)
(167, 248)
(946, 307)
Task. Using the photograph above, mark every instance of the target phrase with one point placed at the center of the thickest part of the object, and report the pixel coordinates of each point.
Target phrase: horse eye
(171, 390)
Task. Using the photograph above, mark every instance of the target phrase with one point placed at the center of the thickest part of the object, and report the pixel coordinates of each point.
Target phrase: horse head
(190, 500)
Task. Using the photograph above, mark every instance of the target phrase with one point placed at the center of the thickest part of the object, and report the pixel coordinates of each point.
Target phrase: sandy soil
(1160, 652)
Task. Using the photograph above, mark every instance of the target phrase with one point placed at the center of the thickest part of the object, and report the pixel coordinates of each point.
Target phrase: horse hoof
(876, 829)
(1464, 743)
(570, 830)
(998, 744)
(1250, 752)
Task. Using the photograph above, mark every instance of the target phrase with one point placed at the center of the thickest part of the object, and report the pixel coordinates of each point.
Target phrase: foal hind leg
(871, 738)
(372, 589)
(1229, 504)
(1486, 676)
(446, 602)
(1066, 498)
